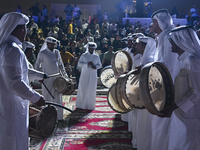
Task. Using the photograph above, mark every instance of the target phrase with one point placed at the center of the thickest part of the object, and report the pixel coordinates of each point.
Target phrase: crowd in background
(110, 34)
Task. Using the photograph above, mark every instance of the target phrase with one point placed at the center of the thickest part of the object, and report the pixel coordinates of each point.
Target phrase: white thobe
(184, 133)
(34, 74)
(160, 125)
(142, 137)
(50, 62)
(15, 95)
(86, 96)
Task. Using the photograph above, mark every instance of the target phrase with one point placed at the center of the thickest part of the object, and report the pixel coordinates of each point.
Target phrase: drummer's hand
(45, 76)
(90, 63)
(167, 112)
(94, 67)
(40, 102)
(137, 70)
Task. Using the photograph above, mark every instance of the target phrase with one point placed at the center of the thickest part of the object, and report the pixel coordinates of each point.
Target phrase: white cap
(26, 45)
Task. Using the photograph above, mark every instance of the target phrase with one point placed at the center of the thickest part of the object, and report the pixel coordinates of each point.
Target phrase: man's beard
(133, 50)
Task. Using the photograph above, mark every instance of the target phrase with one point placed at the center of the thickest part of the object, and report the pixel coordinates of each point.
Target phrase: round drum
(42, 121)
(107, 76)
(112, 101)
(131, 90)
(118, 92)
(156, 87)
(64, 85)
(121, 62)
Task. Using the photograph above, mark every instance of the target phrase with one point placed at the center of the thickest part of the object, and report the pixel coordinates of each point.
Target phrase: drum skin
(121, 62)
(112, 101)
(107, 76)
(156, 87)
(131, 90)
(42, 121)
(64, 85)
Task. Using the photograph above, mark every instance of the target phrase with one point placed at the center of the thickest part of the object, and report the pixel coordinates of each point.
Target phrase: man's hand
(137, 70)
(94, 67)
(40, 102)
(90, 63)
(45, 76)
(167, 112)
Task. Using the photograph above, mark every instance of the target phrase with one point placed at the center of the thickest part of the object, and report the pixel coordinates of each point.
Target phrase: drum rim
(146, 97)
(124, 95)
(105, 68)
(113, 61)
(108, 100)
(54, 84)
(118, 91)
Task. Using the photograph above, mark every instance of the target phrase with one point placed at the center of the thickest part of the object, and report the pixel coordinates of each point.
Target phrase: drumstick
(56, 104)
(53, 75)
(48, 90)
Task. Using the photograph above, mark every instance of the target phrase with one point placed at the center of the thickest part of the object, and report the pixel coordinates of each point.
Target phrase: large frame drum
(156, 87)
(107, 76)
(115, 99)
(64, 85)
(131, 90)
(42, 122)
(121, 62)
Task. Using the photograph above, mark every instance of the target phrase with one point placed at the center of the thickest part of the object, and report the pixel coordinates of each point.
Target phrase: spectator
(44, 13)
(194, 12)
(68, 10)
(35, 11)
(106, 61)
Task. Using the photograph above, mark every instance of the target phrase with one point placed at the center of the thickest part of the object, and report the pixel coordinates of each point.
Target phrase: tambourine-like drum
(115, 99)
(131, 90)
(42, 122)
(64, 85)
(107, 76)
(112, 101)
(156, 87)
(121, 62)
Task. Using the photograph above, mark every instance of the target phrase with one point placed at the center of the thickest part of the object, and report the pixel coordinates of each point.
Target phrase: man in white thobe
(162, 25)
(50, 62)
(15, 92)
(146, 47)
(89, 62)
(33, 74)
(135, 56)
(184, 130)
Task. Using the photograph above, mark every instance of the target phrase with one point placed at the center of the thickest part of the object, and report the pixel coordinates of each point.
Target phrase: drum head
(46, 121)
(131, 90)
(122, 103)
(112, 101)
(156, 87)
(59, 84)
(107, 76)
(121, 62)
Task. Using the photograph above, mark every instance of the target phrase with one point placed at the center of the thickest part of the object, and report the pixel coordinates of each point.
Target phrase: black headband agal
(182, 28)
(158, 11)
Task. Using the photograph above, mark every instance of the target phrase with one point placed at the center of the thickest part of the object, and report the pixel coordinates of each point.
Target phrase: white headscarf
(9, 22)
(26, 45)
(164, 19)
(48, 40)
(90, 44)
(186, 38)
(149, 51)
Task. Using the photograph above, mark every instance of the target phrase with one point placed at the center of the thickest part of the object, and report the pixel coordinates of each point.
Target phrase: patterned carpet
(100, 129)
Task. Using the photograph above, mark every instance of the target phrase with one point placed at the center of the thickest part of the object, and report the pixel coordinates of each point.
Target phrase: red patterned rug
(100, 129)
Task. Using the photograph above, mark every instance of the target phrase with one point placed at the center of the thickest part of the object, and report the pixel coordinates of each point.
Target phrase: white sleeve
(12, 68)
